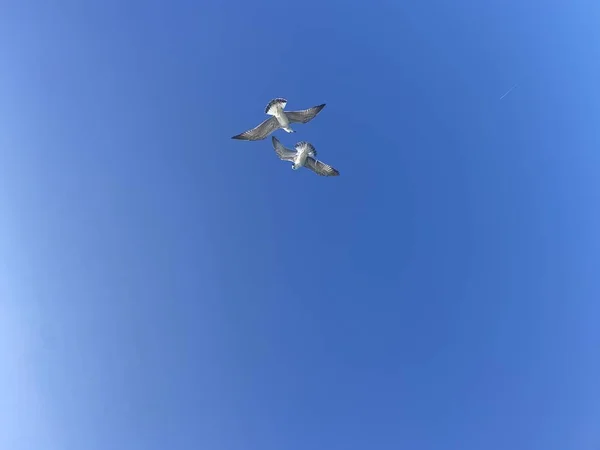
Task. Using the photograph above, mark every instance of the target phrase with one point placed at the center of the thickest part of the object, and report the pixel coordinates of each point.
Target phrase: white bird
(279, 119)
(304, 156)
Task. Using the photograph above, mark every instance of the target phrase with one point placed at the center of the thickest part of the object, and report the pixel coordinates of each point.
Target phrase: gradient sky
(165, 287)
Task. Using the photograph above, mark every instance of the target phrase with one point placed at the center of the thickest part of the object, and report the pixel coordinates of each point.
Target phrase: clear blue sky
(163, 286)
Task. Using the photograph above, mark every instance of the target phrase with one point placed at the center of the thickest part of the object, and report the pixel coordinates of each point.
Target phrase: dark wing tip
(319, 108)
(242, 136)
(245, 137)
(315, 110)
(331, 171)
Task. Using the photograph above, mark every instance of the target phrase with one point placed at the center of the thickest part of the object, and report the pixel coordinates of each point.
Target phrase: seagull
(304, 156)
(279, 119)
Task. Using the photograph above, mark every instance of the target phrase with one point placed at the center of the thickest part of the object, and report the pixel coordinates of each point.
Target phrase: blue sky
(164, 286)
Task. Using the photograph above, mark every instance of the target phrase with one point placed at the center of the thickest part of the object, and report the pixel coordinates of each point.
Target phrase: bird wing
(259, 132)
(304, 116)
(320, 168)
(282, 152)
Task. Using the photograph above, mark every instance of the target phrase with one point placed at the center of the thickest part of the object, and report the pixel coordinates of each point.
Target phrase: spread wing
(282, 152)
(320, 168)
(259, 132)
(304, 116)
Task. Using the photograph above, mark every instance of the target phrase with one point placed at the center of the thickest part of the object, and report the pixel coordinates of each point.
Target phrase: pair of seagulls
(304, 153)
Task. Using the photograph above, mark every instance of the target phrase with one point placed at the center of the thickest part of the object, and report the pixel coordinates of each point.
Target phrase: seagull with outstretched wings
(279, 119)
(304, 155)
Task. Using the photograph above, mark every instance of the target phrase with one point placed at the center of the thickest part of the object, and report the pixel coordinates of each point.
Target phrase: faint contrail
(508, 92)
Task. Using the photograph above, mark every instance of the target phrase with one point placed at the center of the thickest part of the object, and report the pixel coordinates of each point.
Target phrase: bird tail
(275, 105)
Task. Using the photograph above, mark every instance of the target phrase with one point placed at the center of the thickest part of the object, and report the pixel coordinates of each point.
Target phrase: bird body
(300, 158)
(283, 120)
(275, 108)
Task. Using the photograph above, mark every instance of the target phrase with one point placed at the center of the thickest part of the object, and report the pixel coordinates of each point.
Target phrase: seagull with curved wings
(304, 155)
(279, 119)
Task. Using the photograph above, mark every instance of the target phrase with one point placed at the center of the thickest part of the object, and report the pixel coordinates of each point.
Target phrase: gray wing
(304, 116)
(320, 168)
(259, 132)
(282, 152)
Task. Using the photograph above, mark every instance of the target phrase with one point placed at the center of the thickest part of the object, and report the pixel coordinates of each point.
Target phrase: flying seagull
(304, 156)
(279, 119)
